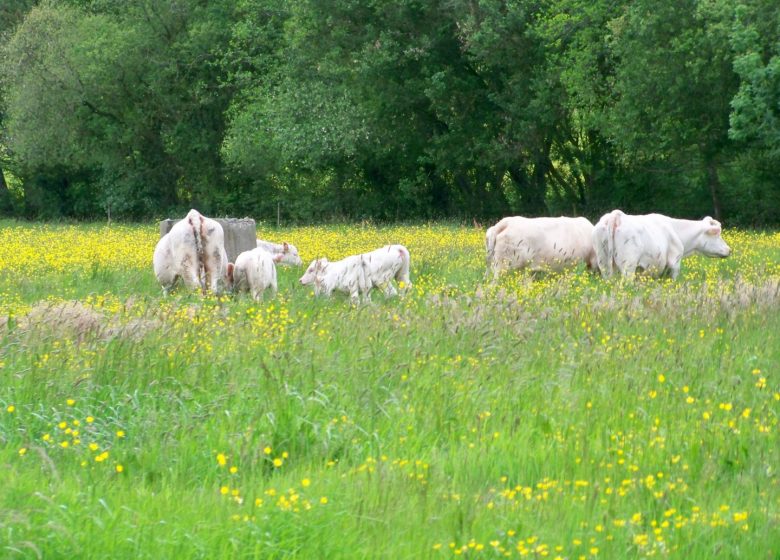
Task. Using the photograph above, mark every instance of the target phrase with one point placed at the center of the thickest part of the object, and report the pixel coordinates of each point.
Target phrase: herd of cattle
(194, 251)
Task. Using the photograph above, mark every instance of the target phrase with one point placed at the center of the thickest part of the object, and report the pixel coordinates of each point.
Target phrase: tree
(126, 99)
(673, 84)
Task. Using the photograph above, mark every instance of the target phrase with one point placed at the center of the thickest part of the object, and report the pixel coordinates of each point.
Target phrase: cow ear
(230, 268)
(278, 257)
(714, 230)
(286, 247)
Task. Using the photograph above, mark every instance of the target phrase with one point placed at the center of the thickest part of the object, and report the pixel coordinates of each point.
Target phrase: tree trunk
(713, 182)
(542, 165)
(466, 189)
(440, 191)
(5, 194)
(531, 195)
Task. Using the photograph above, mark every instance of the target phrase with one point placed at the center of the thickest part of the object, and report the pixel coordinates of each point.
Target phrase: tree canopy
(390, 110)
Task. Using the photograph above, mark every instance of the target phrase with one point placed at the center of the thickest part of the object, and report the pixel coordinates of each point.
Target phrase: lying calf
(288, 252)
(358, 274)
(255, 272)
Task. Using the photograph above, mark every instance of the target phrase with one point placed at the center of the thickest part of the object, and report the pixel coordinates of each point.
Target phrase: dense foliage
(404, 109)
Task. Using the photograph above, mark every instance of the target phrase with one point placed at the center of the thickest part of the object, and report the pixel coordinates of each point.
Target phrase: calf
(358, 274)
(653, 243)
(288, 251)
(540, 244)
(193, 250)
(254, 271)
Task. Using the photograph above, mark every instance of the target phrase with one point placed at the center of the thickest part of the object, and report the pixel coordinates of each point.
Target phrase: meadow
(558, 416)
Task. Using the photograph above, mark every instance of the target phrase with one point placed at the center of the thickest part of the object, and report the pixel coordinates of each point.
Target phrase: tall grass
(561, 416)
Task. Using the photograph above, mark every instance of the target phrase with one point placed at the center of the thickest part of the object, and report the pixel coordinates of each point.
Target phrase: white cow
(288, 251)
(193, 250)
(540, 244)
(653, 243)
(254, 271)
(358, 274)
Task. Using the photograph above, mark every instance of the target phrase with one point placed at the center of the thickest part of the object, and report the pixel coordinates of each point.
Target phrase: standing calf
(254, 271)
(358, 274)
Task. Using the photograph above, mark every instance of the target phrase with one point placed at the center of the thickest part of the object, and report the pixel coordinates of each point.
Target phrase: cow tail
(490, 243)
(406, 264)
(363, 287)
(612, 224)
(196, 224)
(490, 238)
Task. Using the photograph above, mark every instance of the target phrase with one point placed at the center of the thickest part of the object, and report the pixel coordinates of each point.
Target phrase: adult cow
(540, 244)
(193, 250)
(653, 243)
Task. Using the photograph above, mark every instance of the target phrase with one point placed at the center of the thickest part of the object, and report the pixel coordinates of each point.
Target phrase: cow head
(290, 255)
(710, 242)
(229, 276)
(316, 268)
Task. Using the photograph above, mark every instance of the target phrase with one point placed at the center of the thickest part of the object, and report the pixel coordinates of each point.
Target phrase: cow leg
(167, 281)
(191, 279)
(628, 270)
(497, 269)
(354, 297)
(674, 269)
(674, 260)
(390, 290)
(212, 281)
(403, 280)
(167, 289)
(605, 267)
(214, 269)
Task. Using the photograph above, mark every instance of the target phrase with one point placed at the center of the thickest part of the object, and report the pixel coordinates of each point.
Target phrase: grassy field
(554, 417)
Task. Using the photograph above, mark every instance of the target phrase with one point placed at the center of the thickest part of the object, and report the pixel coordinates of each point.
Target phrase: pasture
(560, 416)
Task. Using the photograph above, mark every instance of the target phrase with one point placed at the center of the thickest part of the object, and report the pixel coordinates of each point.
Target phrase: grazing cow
(254, 271)
(193, 250)
(540, 244)
(358, 274)
(653, 243)
(288, 251)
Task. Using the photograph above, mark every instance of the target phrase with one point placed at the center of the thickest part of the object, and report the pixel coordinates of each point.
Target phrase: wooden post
(240, 234)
